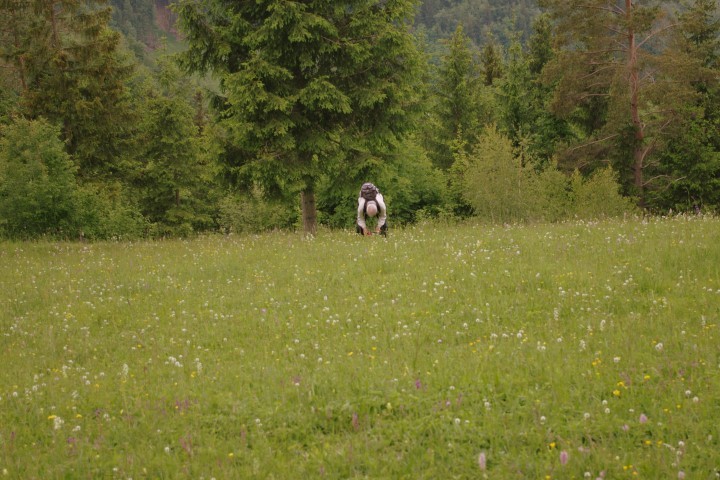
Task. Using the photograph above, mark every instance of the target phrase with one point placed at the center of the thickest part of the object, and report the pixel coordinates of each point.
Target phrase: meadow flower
(482, 461)
(643, 418)
(563, 457)
(659, 347)
(58, 422)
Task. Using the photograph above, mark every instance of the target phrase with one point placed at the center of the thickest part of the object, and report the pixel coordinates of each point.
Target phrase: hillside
(145, 22)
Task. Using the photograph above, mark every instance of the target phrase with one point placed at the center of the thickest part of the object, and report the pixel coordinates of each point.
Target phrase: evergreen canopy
(306, 84)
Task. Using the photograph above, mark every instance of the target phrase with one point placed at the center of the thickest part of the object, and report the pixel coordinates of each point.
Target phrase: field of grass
(581, 350)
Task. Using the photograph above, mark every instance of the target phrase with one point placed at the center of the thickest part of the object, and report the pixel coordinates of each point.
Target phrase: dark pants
(383, 229)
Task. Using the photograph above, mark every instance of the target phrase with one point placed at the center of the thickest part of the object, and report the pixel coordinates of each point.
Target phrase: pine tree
(306, 84)
(616, 52)
(491, 60)
(172, 176)
(71, 72)
(457, 110)
(689, 170)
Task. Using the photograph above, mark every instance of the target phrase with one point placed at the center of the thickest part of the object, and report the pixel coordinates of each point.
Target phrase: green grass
(347, 357)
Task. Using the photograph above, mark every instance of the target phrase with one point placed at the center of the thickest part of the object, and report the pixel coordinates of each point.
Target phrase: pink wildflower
(482, 461)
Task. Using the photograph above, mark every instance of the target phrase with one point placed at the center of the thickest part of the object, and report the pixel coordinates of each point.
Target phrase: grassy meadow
(579, 350)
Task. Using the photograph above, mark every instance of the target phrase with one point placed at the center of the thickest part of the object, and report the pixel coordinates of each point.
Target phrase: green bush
(40, 196)
(104, 213)
(553, 198)
(494, 182)
(38, 191)
(250, 213)
(500, 189)
(599, 195)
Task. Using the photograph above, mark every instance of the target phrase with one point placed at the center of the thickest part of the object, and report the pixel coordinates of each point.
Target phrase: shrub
(38, 192)
(494, 182)
(599, 195)
(250, 213)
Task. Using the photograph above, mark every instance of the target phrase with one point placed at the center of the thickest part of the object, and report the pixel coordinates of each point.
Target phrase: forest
(146, 119)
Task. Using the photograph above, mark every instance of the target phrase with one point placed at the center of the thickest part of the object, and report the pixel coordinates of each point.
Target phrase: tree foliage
(38, 190)
(616, 52)
(306, 84)
(68, 68)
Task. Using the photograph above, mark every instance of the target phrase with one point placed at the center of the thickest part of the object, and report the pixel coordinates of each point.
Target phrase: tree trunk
(309, 212)
(639, 149)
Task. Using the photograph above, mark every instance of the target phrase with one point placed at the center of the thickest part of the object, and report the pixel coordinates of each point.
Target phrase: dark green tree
(689, 171)
(617, 52)
(523, 99)
(38, 190)
(491, 60)
(71, 71)
(306, 84)
(457, 109)
(173, 179)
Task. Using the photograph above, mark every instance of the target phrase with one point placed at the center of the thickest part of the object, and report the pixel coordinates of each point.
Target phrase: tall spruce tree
(69, 69)
(457, 109)
(689, 170)
(616, 51)
(306, 84)
(172, 178)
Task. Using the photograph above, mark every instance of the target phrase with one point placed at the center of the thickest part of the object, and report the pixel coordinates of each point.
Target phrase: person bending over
(371, 204)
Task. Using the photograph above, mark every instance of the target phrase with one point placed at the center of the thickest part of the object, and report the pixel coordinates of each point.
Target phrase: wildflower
(482, 461)
(659, 347)
(681, 475)
(57, 422)
(643, 418)
(563, 457)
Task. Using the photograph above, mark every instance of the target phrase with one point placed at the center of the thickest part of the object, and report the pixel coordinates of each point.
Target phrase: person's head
(371, 209)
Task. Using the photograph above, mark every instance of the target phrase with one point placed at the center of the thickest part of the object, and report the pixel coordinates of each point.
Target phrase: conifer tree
(172, 177)
(69, 70)
(689, 170)
(616, 51)
(305, 84)
(458, 108)
(491, 60)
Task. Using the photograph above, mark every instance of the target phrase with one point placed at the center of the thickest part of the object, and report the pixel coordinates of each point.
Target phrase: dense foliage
(479, 108)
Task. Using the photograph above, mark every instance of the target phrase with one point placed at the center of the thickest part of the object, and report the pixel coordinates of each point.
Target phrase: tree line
(275, 112)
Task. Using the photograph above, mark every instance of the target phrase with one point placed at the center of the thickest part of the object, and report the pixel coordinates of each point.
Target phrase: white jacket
(382, 215)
